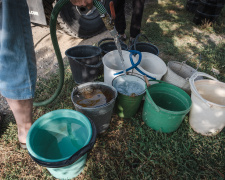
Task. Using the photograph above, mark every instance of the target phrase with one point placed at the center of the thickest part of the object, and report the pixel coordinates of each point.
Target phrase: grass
(130, 149)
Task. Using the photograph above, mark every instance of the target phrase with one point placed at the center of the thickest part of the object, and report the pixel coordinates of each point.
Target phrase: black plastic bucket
(208, 11)
(108, 44)
(85, 63)
(192, 5)
(144, 46)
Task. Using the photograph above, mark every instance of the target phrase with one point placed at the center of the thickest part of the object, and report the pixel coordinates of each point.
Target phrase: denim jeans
(17, 58)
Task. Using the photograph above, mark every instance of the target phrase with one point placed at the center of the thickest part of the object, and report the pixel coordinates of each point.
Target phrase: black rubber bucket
(108, 44)
(144, 46)
(85, 63)
(208, 11)
(192, 5)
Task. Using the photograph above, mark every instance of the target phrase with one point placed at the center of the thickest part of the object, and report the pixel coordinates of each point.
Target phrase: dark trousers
(120, 21)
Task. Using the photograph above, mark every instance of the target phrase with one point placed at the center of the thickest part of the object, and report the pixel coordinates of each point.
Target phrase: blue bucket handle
(132, 52)
(75, 156)
(135, 52)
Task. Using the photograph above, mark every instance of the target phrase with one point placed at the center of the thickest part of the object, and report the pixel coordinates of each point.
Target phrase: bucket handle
(135, 65)
(86, 148)
(199, 62)
(193, 87)
(137, 37)
(75, 156)
(132, 52)
(88, 65)
(149, 96)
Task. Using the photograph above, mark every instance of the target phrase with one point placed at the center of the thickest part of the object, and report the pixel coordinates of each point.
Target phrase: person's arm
(87, 3)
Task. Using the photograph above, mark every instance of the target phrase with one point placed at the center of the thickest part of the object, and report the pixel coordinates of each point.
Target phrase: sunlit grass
(130, 149)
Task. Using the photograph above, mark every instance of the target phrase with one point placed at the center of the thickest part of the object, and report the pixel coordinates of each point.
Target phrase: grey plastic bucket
(100, 115)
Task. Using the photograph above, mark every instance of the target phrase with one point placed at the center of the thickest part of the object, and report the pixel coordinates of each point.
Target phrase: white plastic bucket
(151, 65)
(207, 115)
(112, 64)
(178, 74)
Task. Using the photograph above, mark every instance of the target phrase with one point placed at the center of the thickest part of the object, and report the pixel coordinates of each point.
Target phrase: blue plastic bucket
(60, 140)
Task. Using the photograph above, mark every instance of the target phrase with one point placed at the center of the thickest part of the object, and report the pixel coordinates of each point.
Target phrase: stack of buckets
(61, 139)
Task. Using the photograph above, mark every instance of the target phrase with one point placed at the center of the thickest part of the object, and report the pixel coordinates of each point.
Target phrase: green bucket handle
(149, 96)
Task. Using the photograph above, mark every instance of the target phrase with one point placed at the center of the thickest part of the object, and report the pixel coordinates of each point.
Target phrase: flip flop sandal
(23, 145)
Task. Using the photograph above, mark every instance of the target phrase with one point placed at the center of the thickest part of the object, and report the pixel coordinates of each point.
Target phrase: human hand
(87, 3)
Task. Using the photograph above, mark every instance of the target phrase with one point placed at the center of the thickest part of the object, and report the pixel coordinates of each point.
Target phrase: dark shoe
(122, 37)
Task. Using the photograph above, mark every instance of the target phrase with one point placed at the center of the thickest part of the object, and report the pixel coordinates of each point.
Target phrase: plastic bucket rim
(149, 44)
(130, 75)
(209, 102)
(112, 53)
(35, 155)
(158, 58)
(104, 105)
(87, 57)
(168, 111)
(108, 43)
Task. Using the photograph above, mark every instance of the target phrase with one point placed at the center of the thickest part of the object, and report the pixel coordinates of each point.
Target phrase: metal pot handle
(199, 62)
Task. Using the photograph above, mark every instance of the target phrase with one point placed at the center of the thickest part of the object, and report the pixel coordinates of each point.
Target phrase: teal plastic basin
(55, 137)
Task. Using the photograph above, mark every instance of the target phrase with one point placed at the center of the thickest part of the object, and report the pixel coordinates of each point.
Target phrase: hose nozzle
(108, 21)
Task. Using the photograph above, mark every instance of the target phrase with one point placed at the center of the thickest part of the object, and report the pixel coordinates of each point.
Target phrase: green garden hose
(53, 21)
(59, 5)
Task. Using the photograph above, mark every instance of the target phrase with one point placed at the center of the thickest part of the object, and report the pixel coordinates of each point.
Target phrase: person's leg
(17, 63)
(138, 8)
(120, 21)
(22, 111)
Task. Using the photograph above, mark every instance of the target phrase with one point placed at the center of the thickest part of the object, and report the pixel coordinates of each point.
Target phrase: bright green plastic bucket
(60, 140)
(165, 107)
(127, 105)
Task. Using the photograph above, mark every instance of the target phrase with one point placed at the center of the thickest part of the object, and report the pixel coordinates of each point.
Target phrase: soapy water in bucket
(92, 97)
(129, 88)
(129, 85)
